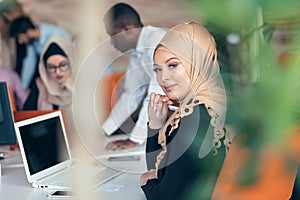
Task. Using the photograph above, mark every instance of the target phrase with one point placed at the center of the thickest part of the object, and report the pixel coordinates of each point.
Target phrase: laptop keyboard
(105, 175)
(101, 175)
(61, 181)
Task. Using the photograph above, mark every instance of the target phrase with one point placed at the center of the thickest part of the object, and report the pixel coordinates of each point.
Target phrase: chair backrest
(274, 174)
(108, 89)
(12, 99)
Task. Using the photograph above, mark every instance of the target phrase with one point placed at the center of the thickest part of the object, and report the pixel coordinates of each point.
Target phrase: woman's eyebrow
(171, 59)
(64, 61)
(157, 65)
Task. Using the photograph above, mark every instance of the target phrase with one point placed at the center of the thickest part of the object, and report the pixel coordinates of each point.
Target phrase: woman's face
(58, 68)
(171, 74)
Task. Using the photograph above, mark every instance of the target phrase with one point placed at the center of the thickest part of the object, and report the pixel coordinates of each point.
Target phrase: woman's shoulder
(202, 110)
(199, 114)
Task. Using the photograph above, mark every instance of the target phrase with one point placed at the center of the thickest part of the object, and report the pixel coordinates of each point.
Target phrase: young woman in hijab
(185, 147)
(53, 89)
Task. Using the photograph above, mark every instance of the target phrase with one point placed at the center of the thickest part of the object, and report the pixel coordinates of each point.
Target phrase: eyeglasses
(63, 66)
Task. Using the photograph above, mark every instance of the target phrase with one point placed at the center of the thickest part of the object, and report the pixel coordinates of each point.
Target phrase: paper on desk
(110, 187)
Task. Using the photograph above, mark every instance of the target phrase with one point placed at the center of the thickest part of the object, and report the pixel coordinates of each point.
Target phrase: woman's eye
(156, 70)
(63, 64)
(50, 66)
(173, 65)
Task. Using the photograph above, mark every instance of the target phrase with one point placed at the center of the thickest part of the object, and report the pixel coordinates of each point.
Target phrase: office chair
(108, 92)
(274, 175)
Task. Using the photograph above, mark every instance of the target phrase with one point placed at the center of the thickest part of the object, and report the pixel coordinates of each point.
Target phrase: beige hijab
(193, 42)
(49, 91)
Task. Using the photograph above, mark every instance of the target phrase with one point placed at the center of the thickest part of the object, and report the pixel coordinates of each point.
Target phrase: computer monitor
(7, 131)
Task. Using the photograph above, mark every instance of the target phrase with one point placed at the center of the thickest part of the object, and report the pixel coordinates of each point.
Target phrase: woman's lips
(59, 77)
(169, 88)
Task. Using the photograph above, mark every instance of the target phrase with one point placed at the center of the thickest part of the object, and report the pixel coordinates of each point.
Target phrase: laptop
(46, 153)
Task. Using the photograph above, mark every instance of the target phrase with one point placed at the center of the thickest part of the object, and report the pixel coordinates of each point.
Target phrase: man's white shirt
(139, 77)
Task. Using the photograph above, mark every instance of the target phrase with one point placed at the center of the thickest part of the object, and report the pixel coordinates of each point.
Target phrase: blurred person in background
(9, 10)
(31, 39)
(53, 89)
(14, 82)
(123, 24)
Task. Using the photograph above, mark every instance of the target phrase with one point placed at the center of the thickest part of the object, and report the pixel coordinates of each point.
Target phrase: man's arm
(135, 87)
(28, 66)
(19, 92)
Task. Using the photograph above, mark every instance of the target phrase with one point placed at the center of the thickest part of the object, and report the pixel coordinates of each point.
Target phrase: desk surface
(14, 184)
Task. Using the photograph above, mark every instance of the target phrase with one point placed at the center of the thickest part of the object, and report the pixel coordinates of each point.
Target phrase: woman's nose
(57, 70)
(165, 73)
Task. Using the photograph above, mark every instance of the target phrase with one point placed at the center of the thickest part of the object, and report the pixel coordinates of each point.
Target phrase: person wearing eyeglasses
(30, 39)
(53, 89)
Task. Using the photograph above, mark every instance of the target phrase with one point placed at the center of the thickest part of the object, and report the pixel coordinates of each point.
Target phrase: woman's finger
(156, 99)
(152, 97)
(167, 100)
(160, 104)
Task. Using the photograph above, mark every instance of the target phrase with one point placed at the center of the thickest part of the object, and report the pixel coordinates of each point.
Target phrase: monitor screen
(7, 131)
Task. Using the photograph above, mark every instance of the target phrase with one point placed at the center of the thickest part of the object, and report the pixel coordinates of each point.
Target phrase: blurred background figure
(53, 89)
(31, 39)
(9, 10)
(123, 24)
(14, 82)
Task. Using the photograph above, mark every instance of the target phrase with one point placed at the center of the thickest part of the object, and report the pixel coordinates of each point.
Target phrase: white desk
(14, 185)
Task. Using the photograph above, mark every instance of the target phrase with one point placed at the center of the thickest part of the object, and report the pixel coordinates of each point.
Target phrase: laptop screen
(44, 144)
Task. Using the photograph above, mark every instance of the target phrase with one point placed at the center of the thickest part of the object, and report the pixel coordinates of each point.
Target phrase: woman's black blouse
(183, 175)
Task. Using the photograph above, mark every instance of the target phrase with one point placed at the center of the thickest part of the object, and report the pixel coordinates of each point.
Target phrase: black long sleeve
(32, 99)
(152, 148)
(182, 168)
